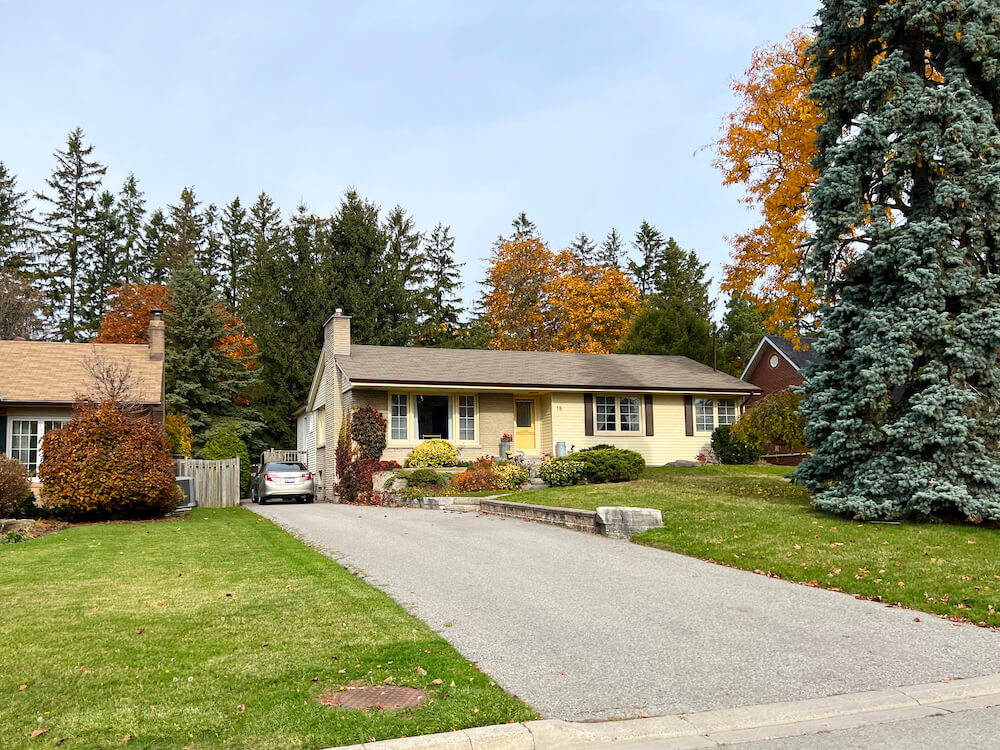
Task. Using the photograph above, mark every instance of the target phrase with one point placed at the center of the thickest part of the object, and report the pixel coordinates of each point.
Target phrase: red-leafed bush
(356, 485)
(368, 428)
(105, 464)
(14, 486)
(475, 480)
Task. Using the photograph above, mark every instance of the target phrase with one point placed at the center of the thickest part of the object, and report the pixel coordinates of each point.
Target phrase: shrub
(344, 452)
(179, 434)
(774, 422)
(226, 443)
(105, 464)
(611, 465)
(510, 476)
(14, 486)
(426, 478)
(475, 480)
(730, 449)
(356, 485)
(562, 471)
(431, 453)
(598, 447)
(368, 428)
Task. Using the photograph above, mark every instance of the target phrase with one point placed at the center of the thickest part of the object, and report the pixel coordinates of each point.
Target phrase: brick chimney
(337, 333)
(157, 332)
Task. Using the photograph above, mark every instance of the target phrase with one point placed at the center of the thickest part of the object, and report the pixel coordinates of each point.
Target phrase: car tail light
(271, 477)
(307, 476)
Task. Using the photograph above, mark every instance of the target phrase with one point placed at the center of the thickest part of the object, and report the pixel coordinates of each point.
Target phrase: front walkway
(586, 627)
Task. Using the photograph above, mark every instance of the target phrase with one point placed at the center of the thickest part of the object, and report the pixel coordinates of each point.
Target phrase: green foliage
(742, 330)
(669, 327)
(14, 485)
(16, 225)
(440, 304)
(901, 413)
(106, 465)
(510, 476)
(368, 428)
(226, 443)
(731, 448)
(345, 449)
(563, 471)
(179, 434)
(774, 421)
(433, 453)
(425, 478)
(610, 464)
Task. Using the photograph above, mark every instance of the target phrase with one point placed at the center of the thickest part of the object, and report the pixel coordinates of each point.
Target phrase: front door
(524, 435)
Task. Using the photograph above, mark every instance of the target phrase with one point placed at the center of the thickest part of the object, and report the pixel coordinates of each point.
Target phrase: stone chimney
(337, 333)
(157, 332)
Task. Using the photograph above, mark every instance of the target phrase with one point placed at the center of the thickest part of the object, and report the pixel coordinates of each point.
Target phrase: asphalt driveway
(586, 627)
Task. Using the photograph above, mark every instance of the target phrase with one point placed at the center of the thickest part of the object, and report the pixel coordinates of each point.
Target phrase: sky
(586, 115)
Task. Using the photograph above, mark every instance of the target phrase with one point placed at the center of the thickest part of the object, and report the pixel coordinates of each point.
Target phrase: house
(41, 380)
(777, 364)
(664, 407)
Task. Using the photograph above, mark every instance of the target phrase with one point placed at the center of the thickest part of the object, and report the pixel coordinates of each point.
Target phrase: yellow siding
(544, 418)
(668, 442)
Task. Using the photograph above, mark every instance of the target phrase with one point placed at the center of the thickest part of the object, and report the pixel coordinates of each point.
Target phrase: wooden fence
(291, 457)
(216, 483)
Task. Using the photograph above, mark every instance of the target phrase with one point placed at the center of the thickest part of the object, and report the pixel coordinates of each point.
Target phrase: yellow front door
(524, 435)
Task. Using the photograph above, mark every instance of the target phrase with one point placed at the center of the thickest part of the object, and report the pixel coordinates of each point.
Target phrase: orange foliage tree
(767, 146)
(538, 300)
(131, 309)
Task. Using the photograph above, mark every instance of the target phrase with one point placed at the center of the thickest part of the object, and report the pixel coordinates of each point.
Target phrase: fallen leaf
(438, 681)
(265, 643)
(421, 671)
(916, 619)
(141, 630)
(241, 707)
(61, 740)
(22, 687)
(644, 716)
(38, 732)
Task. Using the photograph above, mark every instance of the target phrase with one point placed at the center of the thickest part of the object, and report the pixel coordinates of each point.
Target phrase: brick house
(777, 365)
(664, 407)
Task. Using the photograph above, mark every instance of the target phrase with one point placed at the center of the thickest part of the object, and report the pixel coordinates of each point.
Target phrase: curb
(712, 728)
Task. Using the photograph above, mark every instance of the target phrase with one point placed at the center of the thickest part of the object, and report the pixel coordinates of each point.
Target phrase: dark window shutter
(648, 400)
(689, 415)
(3, 434)
(588, 414)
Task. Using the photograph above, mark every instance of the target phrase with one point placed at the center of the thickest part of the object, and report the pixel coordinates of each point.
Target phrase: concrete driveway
(586, 627)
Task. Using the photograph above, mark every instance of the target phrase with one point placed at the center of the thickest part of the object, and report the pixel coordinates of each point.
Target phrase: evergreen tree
(204, 381)
(131, 216)
(742, 330)
(649, 242)
(524, 229)
(611, 251)
(185, 234)
(669, 326)
(16, 221)
(235, 251)
(585, 249)
(442, 308)
(155, 238)
(108, 264)
(679, 274)
(69, 226)
(20, 308)
(403, 277)
(901, 412)
(209, 254)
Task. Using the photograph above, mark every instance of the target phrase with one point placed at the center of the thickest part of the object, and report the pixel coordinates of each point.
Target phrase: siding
(544, 418)
(668, 443)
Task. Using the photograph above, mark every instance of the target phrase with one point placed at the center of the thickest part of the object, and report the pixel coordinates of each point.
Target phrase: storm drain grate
(381, 696)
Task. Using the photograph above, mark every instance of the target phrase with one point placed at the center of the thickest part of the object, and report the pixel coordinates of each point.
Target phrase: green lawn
(749, 517)
(220, 630)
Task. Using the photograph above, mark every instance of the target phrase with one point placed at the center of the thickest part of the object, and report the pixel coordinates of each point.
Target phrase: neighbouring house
(41, 380)
(777, 364)
(664, 407)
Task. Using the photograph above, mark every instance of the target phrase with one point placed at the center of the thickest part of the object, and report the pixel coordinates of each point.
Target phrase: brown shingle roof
(47, 372)
(394, 364)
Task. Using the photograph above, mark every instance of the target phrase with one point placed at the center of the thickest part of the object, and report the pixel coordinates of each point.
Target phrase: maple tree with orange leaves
(540, 300)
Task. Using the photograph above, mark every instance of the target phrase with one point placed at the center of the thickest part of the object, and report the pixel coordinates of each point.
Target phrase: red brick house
(777, 365)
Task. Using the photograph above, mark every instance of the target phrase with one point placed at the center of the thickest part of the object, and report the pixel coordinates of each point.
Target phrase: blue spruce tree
(903, 411)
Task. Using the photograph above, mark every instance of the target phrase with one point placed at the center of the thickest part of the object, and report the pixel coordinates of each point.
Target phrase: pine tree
(403, 278)
(204, 381)
(131, 215)
(669, 327)
(108, 264)
(235, 251)
(611, 251)
(185, 234)
(67, 239)
(209, 255)
(649, 242)
(679, 274)
(524, 229)
(155, 237)
(742, 330)
(439, 323)
(585, 249)
(16, 222)
(901, 409)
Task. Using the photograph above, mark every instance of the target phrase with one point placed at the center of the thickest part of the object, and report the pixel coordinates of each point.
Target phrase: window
(727, 411)
(628, 408)
(321, 427)
(26, 440)
(704, 414)
(433, 417)
(466, 417)
(605, 413)
(399, 414)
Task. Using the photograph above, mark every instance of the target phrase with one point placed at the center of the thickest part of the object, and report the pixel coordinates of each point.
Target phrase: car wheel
(262, 500)
(310, 499)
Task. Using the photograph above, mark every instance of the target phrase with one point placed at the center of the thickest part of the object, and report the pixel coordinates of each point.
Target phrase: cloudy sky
(584, 114)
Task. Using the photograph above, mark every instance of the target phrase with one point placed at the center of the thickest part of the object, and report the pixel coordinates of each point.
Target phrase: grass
(217, 631)
(749, 517)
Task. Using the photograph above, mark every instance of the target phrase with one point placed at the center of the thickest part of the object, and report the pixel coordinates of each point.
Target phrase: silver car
(283, 481)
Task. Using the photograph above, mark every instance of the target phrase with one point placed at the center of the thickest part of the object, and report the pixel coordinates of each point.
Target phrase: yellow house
(664, 407)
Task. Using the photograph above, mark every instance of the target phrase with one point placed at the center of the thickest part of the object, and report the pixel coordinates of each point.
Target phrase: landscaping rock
(622, 522)
(16, 524)
(684, 463)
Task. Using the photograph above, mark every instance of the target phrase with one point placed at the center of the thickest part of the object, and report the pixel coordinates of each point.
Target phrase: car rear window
(284, 467)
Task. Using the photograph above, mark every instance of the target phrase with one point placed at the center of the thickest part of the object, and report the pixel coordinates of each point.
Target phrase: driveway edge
(712, 728)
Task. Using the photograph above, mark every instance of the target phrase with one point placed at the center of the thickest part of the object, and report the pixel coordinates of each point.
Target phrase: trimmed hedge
(425, 478)
(610, 464)
(730, 449)
(510, 476)
(563, 471)
(432, 453)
